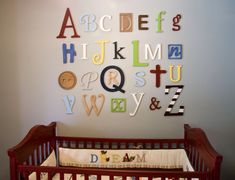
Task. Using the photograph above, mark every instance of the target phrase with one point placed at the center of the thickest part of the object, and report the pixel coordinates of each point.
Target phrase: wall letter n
(64, 25)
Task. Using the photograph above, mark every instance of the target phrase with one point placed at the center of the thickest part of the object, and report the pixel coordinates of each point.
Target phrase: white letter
(158, 51)
(137, 102)
(102, 23)
(84, 52)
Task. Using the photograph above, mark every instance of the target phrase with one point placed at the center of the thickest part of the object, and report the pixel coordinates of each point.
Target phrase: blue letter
(70, 51)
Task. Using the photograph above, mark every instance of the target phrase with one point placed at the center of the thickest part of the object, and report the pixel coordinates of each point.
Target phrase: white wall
(31, 61)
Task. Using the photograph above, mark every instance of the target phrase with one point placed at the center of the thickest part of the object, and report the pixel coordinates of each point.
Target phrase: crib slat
(76, 144)
(26, 175)
(38, 155)
(190, 153)
(47, 148)
(38, 176)
(193, 156)
(33, 159)
(86, 144)
(118, 145)
(74, 177)
(92, 145)
(111, 177)
(60, 143)
(61, 176)
(69, 144)
(200, 164)
(44, 152)
(50, 176)
(197, 161)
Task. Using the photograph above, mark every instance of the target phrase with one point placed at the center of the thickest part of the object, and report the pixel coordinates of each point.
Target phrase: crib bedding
(106, 158)
(125, 158)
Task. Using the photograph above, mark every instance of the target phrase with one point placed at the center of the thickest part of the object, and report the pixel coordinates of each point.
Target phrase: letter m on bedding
(140, 159)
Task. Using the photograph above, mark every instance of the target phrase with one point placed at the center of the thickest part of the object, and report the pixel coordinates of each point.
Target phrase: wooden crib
(27, 156)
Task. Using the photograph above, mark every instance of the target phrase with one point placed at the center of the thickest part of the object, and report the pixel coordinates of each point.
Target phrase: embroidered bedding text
(106, 158)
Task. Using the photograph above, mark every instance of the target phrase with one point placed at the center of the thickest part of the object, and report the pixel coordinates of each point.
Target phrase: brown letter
(141, 22)
(126, 22)
(64, 25)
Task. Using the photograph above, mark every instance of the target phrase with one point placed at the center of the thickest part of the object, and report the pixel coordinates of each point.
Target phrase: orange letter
(93, 104)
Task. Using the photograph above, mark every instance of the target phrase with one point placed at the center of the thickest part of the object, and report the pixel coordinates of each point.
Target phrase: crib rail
(111, 143)
(111, 173)
(33, 149)
(201, 154)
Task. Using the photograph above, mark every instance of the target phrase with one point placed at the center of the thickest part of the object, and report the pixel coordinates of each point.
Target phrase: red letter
(64, 25)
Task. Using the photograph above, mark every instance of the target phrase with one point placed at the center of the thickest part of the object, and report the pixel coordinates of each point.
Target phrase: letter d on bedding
(94, 158)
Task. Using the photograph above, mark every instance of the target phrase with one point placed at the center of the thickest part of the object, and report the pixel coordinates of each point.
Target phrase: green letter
(136, 55)
(159, 20)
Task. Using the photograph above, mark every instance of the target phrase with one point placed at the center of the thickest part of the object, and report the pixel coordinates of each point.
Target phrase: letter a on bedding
(137, 101)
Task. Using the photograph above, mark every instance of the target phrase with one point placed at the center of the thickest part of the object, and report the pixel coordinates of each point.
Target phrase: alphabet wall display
(107, 86)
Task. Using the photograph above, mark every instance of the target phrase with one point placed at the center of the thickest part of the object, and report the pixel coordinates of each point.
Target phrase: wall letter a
(67, 16)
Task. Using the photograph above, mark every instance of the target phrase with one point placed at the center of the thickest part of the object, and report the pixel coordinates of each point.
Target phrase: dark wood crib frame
(26, 157)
